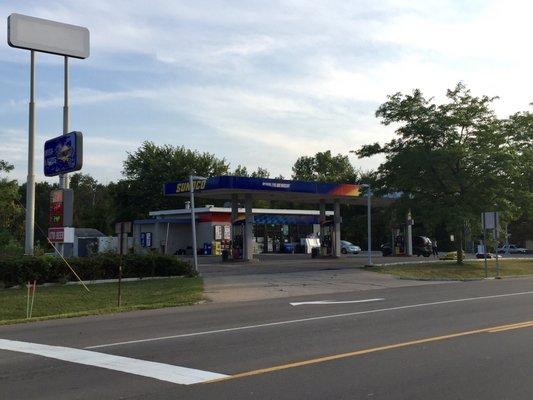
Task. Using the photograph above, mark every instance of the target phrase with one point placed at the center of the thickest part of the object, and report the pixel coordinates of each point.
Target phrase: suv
(422, 246)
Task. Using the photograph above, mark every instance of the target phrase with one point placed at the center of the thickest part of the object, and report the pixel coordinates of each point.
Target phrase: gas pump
(237, 244)
(399, 247)
(326, 243)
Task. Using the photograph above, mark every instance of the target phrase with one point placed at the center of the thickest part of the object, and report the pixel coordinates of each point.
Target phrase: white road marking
(296, 321)
(302, 303)
(150, 369)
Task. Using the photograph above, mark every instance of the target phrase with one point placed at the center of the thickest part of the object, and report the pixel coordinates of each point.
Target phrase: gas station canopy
(226, 186)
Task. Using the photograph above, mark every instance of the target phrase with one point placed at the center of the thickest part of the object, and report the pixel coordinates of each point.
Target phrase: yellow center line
(492, 329)
(513, 326)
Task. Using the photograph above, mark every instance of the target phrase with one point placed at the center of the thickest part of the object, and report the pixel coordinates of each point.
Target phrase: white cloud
(276, 79)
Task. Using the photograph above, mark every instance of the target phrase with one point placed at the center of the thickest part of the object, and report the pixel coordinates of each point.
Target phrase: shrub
(43, 269)
(10, 248)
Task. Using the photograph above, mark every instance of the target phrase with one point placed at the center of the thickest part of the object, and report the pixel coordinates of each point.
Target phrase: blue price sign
(143, 239)
(63, 154)
(146, 239)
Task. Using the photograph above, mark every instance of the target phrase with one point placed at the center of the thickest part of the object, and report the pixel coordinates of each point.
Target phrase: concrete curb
(441, 279)
(97, 281)
(442, 261)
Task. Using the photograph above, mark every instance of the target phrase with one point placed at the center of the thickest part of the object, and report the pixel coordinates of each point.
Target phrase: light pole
(192, 178)
(368, 220)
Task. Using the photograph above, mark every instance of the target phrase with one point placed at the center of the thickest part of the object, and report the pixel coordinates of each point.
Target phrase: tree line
(99, 206)
(447, 163)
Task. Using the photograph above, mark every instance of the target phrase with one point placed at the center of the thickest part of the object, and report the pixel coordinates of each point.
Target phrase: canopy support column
(234, 216)
(337, 229)
(322, 220)
(248, 229)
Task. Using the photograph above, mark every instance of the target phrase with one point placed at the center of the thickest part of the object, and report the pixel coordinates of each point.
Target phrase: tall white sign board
(38, 34)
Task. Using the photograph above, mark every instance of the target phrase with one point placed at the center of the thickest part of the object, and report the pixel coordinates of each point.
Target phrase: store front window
(281, 238)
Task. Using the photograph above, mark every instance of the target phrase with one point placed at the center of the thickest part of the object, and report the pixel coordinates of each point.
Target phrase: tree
(42, 209)
(148, 168)
(93, 204)
(450, 161)
(519, 129)
(520, 126)
(241, 170)
(260, 173)
(11, 211)
(324, 167)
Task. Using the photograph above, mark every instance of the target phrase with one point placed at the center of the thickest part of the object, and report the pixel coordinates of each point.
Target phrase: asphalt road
(446, 341)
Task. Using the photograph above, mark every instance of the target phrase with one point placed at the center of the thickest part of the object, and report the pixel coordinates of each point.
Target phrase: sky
(259, 83)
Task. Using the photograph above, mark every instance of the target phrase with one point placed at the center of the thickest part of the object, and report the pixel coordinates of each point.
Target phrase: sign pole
(166, 238)
(63, 178)
(30, 182)
(37, 34)
(369, 225)
(120, 250)
(496, 235)
(507, 238)
(485, 245)
(121, 229)
(193, 224)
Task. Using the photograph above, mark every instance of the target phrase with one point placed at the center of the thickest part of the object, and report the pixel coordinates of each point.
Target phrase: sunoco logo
(185, 186)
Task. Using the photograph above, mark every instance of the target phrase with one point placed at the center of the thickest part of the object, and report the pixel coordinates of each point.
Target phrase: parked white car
(347, 247)
(513, 249)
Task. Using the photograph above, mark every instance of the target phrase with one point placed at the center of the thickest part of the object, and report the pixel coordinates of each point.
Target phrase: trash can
(315, 251)
(288, 248)
(225, 255)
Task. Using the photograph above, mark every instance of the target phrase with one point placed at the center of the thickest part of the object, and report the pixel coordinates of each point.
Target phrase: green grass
(452, 271)
(74, 300)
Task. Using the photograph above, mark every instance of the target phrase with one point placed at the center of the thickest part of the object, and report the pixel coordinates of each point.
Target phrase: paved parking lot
(282, 275)
(285, 275)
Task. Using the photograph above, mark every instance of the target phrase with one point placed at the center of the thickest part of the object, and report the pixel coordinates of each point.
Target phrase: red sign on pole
(56, 235)
(56, 208)
(61, 235)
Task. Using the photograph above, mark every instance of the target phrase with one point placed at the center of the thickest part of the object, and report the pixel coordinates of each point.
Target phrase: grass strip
(72, 300)
(452, 271)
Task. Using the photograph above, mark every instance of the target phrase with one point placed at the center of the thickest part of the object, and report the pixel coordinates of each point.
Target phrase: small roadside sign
(61, 235)
(490, 220)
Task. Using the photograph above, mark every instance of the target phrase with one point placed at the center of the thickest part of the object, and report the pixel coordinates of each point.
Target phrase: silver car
(511, 249)
(348, 247)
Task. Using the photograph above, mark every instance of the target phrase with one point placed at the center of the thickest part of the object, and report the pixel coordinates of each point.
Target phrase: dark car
(422, 246)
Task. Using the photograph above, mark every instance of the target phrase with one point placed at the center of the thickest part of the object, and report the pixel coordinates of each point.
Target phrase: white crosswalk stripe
(149, 369)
